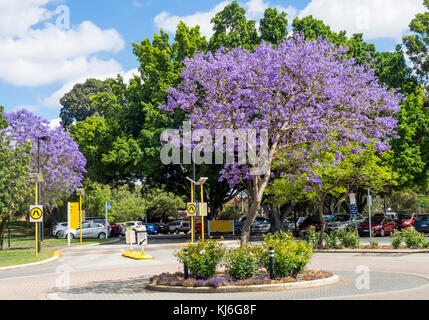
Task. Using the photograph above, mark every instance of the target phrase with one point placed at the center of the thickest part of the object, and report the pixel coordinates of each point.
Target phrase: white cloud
(48, 55)
(169, 22)
(55, 123)
(30, 108)
(17, 16)
(100, 72)
(374, 18)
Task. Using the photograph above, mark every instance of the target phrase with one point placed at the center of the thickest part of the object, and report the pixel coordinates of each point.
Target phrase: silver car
(90, 230)
(343, 221)
(289, 225)
(179, 226)
(261, 225)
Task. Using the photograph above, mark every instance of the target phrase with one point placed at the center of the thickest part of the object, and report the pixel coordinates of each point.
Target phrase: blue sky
(41, 57)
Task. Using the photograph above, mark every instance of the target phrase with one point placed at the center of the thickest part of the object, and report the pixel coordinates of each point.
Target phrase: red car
(380, 225)
(405, 220)
(307, 223)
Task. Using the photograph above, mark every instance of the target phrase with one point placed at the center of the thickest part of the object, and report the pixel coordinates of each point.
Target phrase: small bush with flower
(242, 263)
(202, 258)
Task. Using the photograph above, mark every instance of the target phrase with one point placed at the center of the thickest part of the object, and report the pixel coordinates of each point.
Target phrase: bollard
(185, 267)
(271, 252)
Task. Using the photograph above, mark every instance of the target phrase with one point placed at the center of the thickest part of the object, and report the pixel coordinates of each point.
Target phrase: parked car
(422, 223)
(161, 228)
(289, 225)
(405, 220)
(58, 228)
(307, 223)
(135, 225)
(89, 230)
(344, 221)
(380, 225)
(115, 229)
(151, 228)
(122, 229)
(238, 224)
(261, 225)
(179, 226)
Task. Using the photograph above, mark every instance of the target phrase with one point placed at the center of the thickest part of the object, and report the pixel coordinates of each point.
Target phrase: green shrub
(413, 238)
(290, 256)
(397, 238)
(312, 236)
(374, 244)
(202, 258)
(242, 263)
(349, 238)
(331, 239)
(425, 244)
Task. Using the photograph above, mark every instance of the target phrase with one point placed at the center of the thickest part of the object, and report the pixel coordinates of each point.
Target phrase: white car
(136, 225)
(58, 228)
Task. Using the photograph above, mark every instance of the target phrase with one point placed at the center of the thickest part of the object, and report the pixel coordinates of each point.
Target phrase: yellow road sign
(191, 209)
(36, 213)
(74, 215)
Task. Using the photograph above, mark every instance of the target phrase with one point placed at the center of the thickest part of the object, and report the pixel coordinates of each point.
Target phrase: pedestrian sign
(36, 213)
(191, 209)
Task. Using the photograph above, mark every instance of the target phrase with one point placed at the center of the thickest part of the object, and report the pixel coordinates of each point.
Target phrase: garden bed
(176, 282)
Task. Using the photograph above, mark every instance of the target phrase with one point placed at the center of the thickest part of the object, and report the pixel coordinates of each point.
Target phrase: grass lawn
(22, 256)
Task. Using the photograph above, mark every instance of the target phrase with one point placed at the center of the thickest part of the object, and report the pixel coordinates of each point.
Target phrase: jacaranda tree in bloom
(61, 162)
(298, 93)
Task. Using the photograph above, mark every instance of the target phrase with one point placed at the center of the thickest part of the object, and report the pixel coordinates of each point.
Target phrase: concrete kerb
(372, 251)
(55, 257)
(253, 288)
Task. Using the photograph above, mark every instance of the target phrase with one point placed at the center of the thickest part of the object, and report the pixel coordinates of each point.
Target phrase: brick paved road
(102, 273)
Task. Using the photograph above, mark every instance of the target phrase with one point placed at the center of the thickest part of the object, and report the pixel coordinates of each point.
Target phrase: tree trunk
(2, 228)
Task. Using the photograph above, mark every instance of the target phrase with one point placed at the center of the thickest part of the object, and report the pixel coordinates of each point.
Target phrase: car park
(344, 221)
(58, 228)
(405, 220)
(179, 226)
(422, 223)
(90, 230)
(381, 225)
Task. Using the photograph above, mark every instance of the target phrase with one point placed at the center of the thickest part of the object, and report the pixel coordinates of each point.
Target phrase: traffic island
(137, 255)
(222, 284)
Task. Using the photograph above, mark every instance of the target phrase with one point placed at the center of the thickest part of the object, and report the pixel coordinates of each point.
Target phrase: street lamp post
(44, 138)
(36, 178)
(200, 182)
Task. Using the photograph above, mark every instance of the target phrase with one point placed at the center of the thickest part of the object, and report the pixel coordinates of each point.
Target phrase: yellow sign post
(74, 215)
(202, 213)
(192, 217)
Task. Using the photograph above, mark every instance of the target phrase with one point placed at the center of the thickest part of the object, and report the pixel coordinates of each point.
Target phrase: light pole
(80, 193)
(200, 182)
(46, 139)
(36, 178)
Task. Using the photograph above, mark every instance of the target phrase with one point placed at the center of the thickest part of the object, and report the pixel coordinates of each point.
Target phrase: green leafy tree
(77, 104)
(232, 29)
(14, 167)
(273, 26)
(417, 44)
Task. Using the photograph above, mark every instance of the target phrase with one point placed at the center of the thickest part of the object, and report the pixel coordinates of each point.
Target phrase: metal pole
(192, 218)
(145, 198)
(40, 237)
(107, 231)
(8, 237)
(202, 213)
(369, 216)
(68, 224)
(185, 267)
(271, 252)
(36, 235)
(80, 217)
